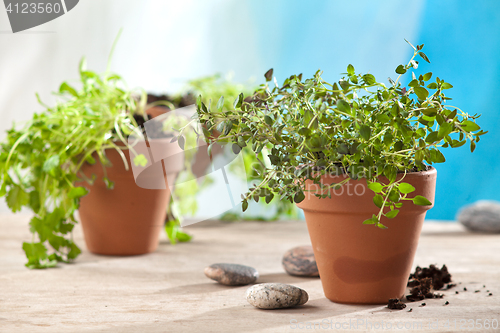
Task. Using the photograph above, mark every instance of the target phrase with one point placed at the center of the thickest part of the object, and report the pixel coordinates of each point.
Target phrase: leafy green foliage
(140, 160)
(421, 201)
(213, 87)
(40, 163)
(227, 94)
(186, 185)
(174, 232)
(356, 126)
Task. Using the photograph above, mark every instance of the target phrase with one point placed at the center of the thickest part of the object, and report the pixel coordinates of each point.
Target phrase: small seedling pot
(128, 219)
(363, 264)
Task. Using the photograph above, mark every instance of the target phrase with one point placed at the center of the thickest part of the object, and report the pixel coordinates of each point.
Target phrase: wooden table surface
(166, 291)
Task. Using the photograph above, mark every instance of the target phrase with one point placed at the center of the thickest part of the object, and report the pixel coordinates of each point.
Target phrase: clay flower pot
(128, 219)
(359, 263)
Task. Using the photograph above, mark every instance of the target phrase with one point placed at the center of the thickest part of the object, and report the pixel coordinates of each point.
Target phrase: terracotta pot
(128, 219)
(360, 263)
(156, 111)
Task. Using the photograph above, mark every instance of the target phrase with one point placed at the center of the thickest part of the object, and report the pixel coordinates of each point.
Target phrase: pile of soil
(155, 129)
(422, 289)
(396, 304)
(177, 101)
(439, 277)
(422, 282)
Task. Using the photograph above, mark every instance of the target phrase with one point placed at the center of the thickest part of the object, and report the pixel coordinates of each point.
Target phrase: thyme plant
(212, 88)
(357, 126)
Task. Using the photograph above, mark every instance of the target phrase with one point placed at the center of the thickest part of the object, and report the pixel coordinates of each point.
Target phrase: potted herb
(355, 155)
(185, 202)
(76, 155)
(211, 88)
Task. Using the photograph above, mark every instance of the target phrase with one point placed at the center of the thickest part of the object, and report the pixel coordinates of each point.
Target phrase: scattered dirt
(426, 279)
(422, 288)
(396, 304)
(422, 283)
(439, 277)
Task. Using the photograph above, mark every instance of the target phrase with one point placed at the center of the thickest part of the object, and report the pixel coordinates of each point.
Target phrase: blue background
(462, 40)
(166, 43)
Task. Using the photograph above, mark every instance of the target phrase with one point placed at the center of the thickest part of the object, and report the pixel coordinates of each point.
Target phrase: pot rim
(413, 174)
(341, 203)
(118, 173)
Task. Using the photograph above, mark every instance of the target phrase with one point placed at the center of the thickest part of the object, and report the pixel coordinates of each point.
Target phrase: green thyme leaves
(357, 127)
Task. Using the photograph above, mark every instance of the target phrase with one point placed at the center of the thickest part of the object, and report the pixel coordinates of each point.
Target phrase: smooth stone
(276, 296)
(300, 261)
(232, 274)
(482, 216)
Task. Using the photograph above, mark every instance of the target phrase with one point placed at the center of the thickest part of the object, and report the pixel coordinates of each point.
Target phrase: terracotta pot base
(128, 219)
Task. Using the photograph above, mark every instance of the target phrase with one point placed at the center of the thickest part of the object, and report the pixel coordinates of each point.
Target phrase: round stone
(276, 296)
(300, 261)
(482, 216)
(232, 274)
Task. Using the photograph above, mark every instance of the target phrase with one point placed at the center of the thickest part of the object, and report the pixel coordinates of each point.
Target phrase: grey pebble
(482, 216)
(300, 261)
(276, 296)
(232, 274)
